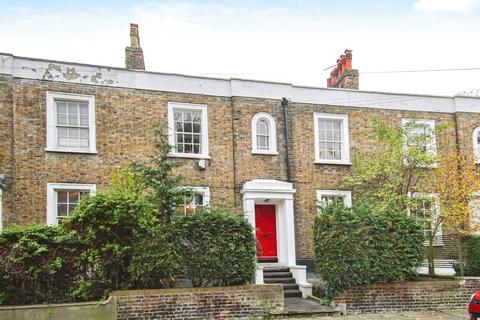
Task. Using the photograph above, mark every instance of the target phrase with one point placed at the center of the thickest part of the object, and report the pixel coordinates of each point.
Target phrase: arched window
(264, 140)
(476, 144)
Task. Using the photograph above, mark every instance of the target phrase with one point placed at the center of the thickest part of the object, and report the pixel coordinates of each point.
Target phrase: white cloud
(456, 6)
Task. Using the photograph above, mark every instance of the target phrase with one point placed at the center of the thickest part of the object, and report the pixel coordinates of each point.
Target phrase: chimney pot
(134, 54)
(343, 76)
(134, 37)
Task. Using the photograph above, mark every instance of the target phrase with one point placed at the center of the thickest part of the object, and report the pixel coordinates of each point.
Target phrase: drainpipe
(234, 158)
(2, 188)
(287, 136)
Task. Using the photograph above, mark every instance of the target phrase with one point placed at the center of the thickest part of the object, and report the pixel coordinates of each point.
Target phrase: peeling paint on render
(47, 75)
(97, 76)
(53, 66)
(71, 74)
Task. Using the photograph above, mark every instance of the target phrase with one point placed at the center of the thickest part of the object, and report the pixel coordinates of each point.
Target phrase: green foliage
(217, 247)
(365, 245)
(164, 186)
(157, 262)
(392, 168)
(113, 241)
(39, 263)
(472, 251)
(109, 226)
(126, 238)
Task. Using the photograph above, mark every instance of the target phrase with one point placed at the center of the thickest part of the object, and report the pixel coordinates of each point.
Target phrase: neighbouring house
(271, 150)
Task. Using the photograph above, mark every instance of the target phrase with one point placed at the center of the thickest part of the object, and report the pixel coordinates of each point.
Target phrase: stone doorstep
(300, 308)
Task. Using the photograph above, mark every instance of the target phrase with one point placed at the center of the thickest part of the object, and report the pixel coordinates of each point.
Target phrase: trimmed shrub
(217, 247)
(39, 263)
(472, 251)
(364, 245)
(114, 241)
(156, 262)
(109, 225)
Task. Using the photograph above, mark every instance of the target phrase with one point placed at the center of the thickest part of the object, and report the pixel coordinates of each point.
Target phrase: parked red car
(474, 306)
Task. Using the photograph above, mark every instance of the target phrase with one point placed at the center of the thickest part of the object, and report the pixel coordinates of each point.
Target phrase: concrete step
(276, 269)
(298, 307)
(292, 293)
(277, 274)
(279, 280)
(290, 286)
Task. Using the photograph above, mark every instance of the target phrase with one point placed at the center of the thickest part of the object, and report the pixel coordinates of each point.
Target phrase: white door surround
(280, 193)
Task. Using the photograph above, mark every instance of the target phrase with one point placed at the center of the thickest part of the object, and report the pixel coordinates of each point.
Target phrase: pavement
(452, 314)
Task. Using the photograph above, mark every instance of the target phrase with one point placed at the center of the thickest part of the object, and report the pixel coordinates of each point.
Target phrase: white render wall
(30, 68)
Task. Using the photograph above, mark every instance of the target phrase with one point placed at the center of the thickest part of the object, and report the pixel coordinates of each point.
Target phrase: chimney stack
(343, 76)
(134, 54)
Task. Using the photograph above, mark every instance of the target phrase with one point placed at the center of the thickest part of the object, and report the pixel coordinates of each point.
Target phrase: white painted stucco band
(31, 68)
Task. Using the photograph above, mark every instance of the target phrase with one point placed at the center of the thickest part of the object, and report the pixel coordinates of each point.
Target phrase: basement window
(63, 198)
(70, 123)
(427, 210)
(329, 197)
(199, 199)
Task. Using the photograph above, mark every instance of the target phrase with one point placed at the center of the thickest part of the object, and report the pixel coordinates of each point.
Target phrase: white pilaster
(290, 231)
(249, 211)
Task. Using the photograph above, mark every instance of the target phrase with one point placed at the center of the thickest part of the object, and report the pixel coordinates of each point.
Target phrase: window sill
(268, 153)
(189, 156)
(340, 162)
(58, 150)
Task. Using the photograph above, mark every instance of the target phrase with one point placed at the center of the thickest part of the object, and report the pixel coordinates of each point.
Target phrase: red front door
(266, 230)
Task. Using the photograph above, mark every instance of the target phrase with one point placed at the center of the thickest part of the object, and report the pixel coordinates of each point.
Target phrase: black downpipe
(287, 138)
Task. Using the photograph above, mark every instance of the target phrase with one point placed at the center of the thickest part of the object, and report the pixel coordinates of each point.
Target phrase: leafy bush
(157, 261)
(109, 226)
(472, 252)
(365, 245)
(217, 247)
(39, 264)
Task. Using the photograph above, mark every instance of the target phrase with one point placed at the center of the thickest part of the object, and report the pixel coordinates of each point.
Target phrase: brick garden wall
(410, 296)
(236, 302)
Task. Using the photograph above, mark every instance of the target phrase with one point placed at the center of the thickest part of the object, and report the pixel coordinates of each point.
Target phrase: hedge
(471, 245)
(218, 248)
(40, 263)
(114, 241)
(364, 245)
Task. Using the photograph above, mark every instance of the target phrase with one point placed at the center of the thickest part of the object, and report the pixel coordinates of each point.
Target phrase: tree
(457, 181)
(389, 172)
(164, 186)
(396, 173)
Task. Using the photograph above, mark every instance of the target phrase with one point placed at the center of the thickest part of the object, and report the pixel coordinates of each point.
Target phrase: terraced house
(271, 150)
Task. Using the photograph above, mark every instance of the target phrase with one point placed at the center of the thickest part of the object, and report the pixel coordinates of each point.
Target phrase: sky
(281, 41)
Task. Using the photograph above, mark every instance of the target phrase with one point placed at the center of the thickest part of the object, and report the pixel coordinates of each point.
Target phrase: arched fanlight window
(476, 144)
(264, 140)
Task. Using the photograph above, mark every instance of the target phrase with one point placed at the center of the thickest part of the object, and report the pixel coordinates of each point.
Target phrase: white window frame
(52, 198)
(345, 138)
(347, 196)
(432, 148)
(438, 240)
(476, 146)
(272, 141)
(172, 106)
(205, 191)
(52, 144)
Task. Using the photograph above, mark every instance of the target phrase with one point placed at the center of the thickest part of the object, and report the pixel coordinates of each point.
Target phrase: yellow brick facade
(124, 117)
